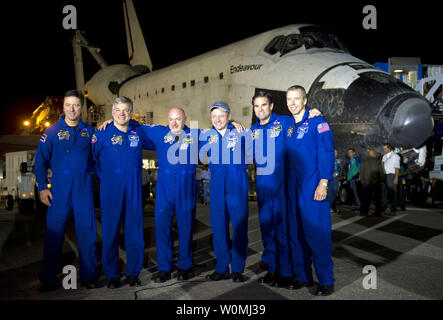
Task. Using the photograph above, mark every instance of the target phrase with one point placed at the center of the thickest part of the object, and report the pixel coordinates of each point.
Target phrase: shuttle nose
(412, 123)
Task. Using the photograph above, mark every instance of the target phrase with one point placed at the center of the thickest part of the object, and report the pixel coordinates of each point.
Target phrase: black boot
(296, 284)
(268, 279)
(133, 281)
(185, 274)
(162, 276)
(283, 282)
(89, 284)
(114, 283)
(237, 277)
(215, 276)
(324, 291)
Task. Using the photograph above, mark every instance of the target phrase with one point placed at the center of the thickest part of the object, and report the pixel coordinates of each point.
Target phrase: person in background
(371, 177)
(153, 178)
(402, 182)
(391, 164)
(198, 182)
(353, 176)
(146, 182)
(206, 177)
(333, 186)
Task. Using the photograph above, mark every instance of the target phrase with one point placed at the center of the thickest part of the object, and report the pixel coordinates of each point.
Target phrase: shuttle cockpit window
(310, 37)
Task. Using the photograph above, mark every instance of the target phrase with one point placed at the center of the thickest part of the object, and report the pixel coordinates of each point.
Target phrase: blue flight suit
(270, 198)
(311, 158)
(67, 151)
(228, 191)
(175, 193)
(119, 164)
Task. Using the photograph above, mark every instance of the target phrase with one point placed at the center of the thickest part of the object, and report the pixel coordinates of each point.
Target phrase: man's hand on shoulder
(104, 125)
(314, 113)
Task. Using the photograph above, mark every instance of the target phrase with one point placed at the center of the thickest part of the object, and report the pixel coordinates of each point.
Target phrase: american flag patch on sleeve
(323, 127)
(44, 137)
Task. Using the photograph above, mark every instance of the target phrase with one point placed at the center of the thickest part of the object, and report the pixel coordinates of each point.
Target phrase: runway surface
(406, 250)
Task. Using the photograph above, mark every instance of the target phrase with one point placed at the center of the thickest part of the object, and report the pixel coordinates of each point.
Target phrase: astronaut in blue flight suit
(268, 135)
(65, 148)
(118, 151)
(177, 152)
(225, 147)
(311, 164)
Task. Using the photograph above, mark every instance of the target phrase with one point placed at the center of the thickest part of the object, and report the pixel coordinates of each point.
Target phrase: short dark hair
(75, 93)
(387, 144)
(351, 149)
(297, 87)
(262, 94)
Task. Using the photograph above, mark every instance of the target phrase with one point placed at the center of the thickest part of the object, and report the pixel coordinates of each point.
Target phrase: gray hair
(297, 87)
(122, 100)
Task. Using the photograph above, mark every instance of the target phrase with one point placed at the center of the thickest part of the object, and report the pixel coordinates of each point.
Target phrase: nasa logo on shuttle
(94, 138)
(44, 137)
(133, 139)
(255, 134)
(248, 67)
(168, 138)
(117, 139)
(62, 134)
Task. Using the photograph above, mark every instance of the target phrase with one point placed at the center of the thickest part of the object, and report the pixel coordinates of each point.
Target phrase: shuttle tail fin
(137, 50)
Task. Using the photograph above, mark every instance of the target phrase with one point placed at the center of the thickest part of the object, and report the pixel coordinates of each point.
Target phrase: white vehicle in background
(18, 183)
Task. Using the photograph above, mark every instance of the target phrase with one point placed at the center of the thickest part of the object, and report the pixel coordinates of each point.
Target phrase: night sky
(37, 58)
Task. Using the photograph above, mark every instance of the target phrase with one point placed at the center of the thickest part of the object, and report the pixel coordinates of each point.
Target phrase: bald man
(175, 192)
